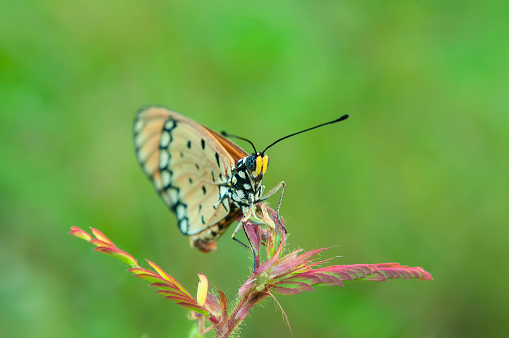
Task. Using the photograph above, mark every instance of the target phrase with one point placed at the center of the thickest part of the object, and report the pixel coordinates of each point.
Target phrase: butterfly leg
(239, 226)
(237, 229)
(281, 186)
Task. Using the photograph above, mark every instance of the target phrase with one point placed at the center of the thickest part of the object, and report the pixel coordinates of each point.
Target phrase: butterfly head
(257, 163)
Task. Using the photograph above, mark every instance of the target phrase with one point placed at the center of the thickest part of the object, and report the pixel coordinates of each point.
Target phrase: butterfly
(207, 180)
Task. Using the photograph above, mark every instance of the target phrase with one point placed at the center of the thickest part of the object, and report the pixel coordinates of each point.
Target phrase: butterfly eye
(251, 162)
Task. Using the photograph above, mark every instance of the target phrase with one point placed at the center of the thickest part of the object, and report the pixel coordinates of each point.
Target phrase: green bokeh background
(417, 175)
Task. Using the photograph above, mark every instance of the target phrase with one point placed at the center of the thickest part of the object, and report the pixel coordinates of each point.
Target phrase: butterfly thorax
(245, 186)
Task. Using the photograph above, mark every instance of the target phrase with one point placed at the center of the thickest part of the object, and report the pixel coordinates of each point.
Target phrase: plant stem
(240, 312)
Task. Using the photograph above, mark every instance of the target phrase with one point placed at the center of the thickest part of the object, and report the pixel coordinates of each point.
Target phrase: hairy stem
(240, 312)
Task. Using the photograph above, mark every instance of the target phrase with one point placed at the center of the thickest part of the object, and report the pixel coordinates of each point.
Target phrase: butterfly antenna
(225, 134)
(344, 117)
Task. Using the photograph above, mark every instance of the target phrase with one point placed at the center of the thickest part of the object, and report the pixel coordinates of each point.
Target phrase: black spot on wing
(203, 144)
(204, 190)
(217, 160)
(189, 144)
(224, 206)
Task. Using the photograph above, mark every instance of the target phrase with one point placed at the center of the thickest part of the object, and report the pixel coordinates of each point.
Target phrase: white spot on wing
(164, 157)
(165, 177)
(247, 186)
(138, 126)
(184, 225)
(172, 192)
(181, 211)
(169, 124)
(165, 139)
(138, 141)
(242, 174)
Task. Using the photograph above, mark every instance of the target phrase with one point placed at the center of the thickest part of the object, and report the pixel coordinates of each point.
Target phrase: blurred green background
(417, 175)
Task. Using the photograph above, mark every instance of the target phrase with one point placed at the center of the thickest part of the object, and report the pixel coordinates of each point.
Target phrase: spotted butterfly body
(205, 179)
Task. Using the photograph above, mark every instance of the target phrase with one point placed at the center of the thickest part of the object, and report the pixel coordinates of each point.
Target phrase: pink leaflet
(102, 237)
(117, 253)
(75, 231)
(295, 263)
(168, 277)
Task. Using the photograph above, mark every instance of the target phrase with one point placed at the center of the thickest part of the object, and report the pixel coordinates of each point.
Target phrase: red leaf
(101, 244)
(314, 278)
(224, 305)
(151, 278)
(195, 308)
(301, 286)
(165, 286)
(308, 278)
(117, 253)
(102, 237)
(175, 294)
(75, 231)
(246, 286)
(395, 270)
(270, 261)
(212, 304)
(253, 234)
(291, 255)
(167, 277)
(180, 298)
(295, 263)
(286, 291)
